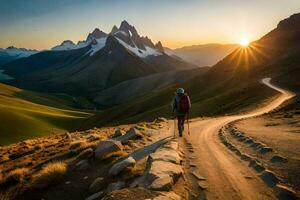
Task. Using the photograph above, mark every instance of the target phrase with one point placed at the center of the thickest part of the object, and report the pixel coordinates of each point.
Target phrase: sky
(42, 24)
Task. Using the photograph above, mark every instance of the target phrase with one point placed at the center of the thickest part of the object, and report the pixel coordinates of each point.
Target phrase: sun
(244, 42)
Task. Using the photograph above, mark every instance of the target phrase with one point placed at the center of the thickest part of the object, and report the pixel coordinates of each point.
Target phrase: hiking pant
(180, 123)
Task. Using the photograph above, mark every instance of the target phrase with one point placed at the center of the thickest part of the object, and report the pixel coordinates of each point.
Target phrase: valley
(93, 120)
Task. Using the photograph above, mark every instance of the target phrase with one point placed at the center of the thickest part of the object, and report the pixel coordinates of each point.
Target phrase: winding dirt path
(227, 177)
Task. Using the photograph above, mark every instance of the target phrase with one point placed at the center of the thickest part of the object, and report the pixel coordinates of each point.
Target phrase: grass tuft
(51, 174)
(14, 177)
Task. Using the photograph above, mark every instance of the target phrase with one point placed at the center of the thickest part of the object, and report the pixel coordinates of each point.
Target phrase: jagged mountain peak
(114, 29)
(96, 34)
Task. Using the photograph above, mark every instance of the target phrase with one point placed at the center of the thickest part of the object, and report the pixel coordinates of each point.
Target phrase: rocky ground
(109, 163)
(270, 143)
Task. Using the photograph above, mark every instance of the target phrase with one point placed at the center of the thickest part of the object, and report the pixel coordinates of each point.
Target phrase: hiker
(181, 105)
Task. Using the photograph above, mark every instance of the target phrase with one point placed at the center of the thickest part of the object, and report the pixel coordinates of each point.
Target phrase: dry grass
(51, 174)
(14, 177)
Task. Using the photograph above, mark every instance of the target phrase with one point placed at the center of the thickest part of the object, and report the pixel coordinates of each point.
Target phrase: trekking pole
(174, 127)
(188, 123)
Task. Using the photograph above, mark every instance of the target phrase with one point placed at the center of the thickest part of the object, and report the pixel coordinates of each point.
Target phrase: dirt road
(227, 177)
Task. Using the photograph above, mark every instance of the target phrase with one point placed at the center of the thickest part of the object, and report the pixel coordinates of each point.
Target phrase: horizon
(44, 25)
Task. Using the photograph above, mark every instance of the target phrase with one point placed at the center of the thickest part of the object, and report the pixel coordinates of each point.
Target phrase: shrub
(51, 174)
(14, 177)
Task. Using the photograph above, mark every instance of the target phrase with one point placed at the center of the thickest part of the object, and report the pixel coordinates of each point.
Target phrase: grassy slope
(21, 118)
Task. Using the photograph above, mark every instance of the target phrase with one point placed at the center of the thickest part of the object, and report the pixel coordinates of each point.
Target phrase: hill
(203, 55)
(23, 116)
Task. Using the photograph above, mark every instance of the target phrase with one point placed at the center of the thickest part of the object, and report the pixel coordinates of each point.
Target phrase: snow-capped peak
(18, 52)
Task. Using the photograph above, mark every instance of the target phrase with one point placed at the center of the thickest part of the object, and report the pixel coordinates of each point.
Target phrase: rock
(97, 184)
(95, 196)
(269, 178)
(106, 147)
(167, 196)
(169, 155)
(198, 176)
(265, 150)
(115, 186)
(162, 168)
(93, 137)
(117, 133)
(87, 153)
(122, 165)
(256, 165)
(203, 185)
(245, 157)
(132, 134)
(82, 165)
(278, 159)
(285, 193)
(163, 183)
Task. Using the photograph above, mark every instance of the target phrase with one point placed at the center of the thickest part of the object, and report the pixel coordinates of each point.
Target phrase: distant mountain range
(102, 61)
(12, 53)
(202, 55)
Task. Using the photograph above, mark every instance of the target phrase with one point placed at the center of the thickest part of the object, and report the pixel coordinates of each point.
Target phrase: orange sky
(43, 24)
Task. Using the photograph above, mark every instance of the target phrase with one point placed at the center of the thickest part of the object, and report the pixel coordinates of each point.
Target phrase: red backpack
(184, 104)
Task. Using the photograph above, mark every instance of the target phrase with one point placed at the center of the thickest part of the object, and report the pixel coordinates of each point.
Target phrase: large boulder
(159, 169)
(122, 165)
(106, 147)
(132, 134)
(169, 155)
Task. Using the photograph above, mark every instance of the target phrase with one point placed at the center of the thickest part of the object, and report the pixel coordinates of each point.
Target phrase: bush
(14, 177)
(51, 174)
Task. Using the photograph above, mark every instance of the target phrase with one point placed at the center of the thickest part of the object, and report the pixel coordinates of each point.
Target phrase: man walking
(181, 105)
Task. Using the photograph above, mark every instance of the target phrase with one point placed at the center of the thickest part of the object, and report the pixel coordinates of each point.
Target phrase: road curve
(229, 178)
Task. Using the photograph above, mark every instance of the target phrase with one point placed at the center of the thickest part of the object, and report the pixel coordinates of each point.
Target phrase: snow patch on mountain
(100, 43)
(139, 52)
(18, 52)
(69, 45)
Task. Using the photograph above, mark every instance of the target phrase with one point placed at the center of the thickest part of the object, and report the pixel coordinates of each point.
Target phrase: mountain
(98, 63)
(230, 86)
(12, 53)
(202, 55)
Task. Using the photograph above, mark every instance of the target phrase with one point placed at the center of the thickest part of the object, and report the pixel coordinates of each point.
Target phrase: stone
(265, 150)
(132, 134)
(106, 147)
(82, 165)
(93, 137)
(162, 168)
(203, 185)
(115, 186)
(117, 133)
(198, 176)
(122, 165)
(97, 184)
(269, 178)
(167, 196)
(283, 192)
(95, 196)
(278, 159)
(87, 153)
(163, 183)
(168, 155)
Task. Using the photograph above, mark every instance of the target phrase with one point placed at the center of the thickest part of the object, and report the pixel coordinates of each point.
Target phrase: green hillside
(22, 116)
